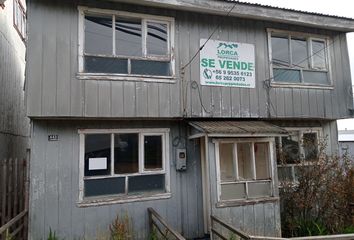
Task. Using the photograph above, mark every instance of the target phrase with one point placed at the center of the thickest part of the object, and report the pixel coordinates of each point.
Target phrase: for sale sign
(227, 64)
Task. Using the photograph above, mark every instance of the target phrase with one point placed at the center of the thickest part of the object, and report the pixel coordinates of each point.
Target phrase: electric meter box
(181, 160)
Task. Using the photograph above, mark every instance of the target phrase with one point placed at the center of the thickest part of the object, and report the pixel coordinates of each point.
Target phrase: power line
(201, 48)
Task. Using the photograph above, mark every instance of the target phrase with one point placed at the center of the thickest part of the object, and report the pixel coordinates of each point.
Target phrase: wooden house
(14, 125)
(175, 105)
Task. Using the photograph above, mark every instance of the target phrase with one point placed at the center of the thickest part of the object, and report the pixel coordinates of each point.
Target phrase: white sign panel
(97, 163)
(227, 64)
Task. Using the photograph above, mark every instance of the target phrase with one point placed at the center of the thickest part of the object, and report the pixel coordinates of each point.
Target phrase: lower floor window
(297, 150)
(123, 162)
(244, 169)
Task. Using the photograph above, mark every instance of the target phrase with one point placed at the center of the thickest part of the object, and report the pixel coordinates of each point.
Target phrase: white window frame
(19, 19)
(300, 133)
(271, 145)
(170, 57)
(122, 198)
(309, 38)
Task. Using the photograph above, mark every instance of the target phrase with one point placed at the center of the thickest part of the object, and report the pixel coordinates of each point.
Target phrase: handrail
(229, 227)
(12, 221)
(153, 214)
(246, 236)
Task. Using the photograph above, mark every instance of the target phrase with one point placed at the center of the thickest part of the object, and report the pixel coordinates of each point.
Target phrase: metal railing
(158, 223)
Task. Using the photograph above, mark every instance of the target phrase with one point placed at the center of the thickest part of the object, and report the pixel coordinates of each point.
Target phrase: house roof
(253, 11)
(237, 128)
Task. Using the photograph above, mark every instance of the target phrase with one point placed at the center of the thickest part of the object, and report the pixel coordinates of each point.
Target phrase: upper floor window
(298, 59)
(125, 44)
(19, 18)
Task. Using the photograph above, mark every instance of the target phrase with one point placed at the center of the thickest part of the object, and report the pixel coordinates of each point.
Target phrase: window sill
(120, 77)
(108, 200)
(243, 202)
(307, 86)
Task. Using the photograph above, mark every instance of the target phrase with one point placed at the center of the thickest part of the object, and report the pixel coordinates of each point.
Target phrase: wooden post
(3, 193)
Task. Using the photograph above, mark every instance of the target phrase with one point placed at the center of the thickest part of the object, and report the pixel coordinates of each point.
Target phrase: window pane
(290, 149)
(286, 75)
(299, 53)
(315, 77)
(146, 67)
(126, 153)
(105, 65)
(244, 160)
(262, 160)
(259, 189)
(147, 183)
(128, 37)
(97, 154)
(310, 145)
(319, 56)
(280, 51)
(152, 152)
(233, 191)
(156, 38)
(107, 186)
(98, 35)
(285, 173)
(226, 162)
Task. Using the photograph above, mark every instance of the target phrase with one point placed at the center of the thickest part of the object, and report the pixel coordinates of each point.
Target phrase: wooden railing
(226, 232)
(13, 199)
(158, 223)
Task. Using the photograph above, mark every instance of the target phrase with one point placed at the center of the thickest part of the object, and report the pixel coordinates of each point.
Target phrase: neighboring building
(346, 142)
(14, 125)
(117, 105)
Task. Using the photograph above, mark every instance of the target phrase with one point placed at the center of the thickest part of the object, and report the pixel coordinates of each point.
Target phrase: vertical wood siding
(54, 90)
(14, 126)
(55, 186)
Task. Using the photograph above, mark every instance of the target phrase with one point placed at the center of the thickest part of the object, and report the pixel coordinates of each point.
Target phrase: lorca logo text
(225, 50)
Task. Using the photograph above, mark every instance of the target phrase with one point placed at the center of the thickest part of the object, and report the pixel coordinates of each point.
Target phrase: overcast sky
(344, 8)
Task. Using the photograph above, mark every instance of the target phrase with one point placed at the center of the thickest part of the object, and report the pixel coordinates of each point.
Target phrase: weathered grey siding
(54, 90)
(54, 185)
(14, 125)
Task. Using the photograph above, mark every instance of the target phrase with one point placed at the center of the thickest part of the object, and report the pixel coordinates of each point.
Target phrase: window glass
(145, 67)
(226, 162)
(280, 51)
(148, 183)
(299, 53)
(286, 75)
(233, 191)
(244, 160)
(97, 154)
(98, 35)
(156, 38)
(290, 149)
(319, 57)
(105, 65)
(262, 159)
(259, 189)
(315, 77)
(310, 145)
(104, 186)
(126, 153)
(128, 37)
(152, 152)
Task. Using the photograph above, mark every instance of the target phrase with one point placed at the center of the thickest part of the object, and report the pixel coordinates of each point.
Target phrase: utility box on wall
(181, 160)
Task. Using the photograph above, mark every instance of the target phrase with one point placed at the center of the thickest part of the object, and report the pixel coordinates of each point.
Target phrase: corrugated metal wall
(54, 90)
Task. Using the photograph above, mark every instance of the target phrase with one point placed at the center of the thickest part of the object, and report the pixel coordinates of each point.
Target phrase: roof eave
(252, 12)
